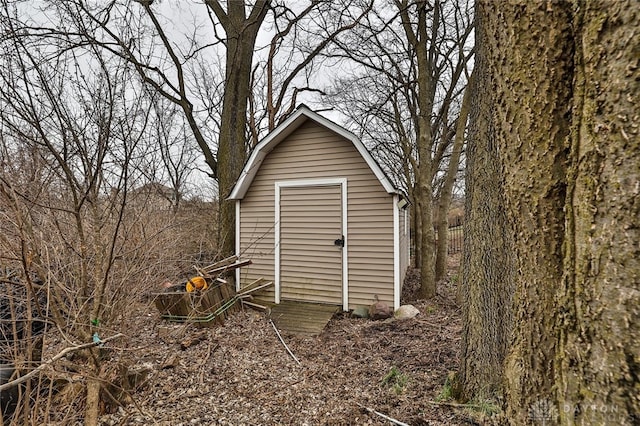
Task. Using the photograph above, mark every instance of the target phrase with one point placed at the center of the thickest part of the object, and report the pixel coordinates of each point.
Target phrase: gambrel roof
(288, 126)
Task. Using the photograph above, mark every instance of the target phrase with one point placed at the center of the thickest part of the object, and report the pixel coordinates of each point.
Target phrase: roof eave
(285, 129)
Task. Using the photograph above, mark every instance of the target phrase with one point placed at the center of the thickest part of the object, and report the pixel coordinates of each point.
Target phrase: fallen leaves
(241, 374)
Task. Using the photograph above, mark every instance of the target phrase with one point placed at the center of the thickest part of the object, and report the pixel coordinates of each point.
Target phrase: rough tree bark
(565, 80)
(532, 66)
(487, 264)
(598, 352)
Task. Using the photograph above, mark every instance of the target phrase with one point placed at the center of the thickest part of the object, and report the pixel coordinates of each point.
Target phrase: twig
(60, 354)
(454, 404)
(392, 420)
(226, 268)
(204, 361)
(254, 305)
(283, 343)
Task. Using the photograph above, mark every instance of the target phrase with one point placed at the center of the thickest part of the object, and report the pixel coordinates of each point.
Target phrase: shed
(317, 215)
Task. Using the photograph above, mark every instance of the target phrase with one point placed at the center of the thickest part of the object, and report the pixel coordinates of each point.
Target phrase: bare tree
(167, 63)
(241, 32)
(404, 97)
(176, 66)
(75, 125)
(448, 179)
(295, 54)
(173, 155)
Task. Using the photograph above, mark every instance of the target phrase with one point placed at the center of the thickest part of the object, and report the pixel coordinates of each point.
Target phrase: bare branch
(55, 358)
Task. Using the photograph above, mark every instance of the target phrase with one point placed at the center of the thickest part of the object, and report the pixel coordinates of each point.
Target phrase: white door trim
(238, 243)
(345, 264)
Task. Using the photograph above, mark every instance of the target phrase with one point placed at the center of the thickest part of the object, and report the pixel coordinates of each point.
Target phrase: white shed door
(310, 259)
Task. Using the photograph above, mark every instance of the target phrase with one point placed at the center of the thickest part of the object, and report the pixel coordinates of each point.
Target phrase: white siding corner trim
(345, 260)
(396, 253)
(238, 243)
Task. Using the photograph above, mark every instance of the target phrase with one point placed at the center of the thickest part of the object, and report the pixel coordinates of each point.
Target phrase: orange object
(196, 283)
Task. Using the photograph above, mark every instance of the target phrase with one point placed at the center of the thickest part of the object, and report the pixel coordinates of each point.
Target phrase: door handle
(339, 242)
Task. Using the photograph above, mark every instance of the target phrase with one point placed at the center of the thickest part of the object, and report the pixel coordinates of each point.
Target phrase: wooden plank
(253, 284)
(223, 262)
(227, 294)
(215, 300)
(173, 303)
(225, 268)
(302, 318)
(255, 306)
(246, 292)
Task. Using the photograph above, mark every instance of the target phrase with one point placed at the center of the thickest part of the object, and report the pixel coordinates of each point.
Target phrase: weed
(478, 406)
(446, 393)
(396, 380)
(485, 406)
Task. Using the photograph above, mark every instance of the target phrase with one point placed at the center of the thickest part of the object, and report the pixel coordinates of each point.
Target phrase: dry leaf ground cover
(240, 374)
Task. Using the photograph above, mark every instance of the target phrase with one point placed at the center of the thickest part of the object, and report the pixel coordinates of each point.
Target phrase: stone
(406, 312)
(380, 311)
(360, 312)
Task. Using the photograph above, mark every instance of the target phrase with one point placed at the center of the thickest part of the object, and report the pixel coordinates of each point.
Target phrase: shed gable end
(314, 152)
(300, 117)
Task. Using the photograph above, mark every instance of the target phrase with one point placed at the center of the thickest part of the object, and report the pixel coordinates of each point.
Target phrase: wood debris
(205, 299)
(257, 285)
(225, 265)
(194, 339)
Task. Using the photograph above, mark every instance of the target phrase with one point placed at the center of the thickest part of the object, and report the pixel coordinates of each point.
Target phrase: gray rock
(406, 312)
(360, 312)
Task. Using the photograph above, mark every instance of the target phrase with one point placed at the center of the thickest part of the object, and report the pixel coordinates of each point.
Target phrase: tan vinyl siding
(311, 265)
(404, 244)
(257, 239)
(310, 152)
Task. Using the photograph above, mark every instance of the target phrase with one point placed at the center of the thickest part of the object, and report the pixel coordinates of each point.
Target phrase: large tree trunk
(565, 80)
(598, 354)
(444, 201)
(241, 34)
(231, 147)
(427, 237)
(426, 90)
(417, 231)
(532, 65)
(487, 264)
